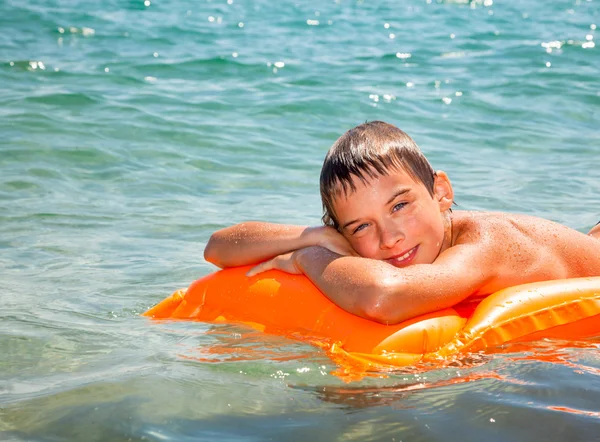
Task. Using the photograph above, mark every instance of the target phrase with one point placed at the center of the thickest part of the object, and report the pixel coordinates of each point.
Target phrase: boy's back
(525, 249)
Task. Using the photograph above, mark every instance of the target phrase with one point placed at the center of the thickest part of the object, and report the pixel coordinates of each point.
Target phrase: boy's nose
(389, 237)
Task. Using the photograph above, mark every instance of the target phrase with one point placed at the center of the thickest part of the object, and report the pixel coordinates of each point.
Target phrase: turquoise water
(131, 130)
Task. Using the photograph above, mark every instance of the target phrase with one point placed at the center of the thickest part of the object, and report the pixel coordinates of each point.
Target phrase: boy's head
(365, 152)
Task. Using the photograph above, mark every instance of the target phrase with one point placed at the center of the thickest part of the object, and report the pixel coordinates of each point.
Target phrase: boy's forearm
(378, 291)
(350, 282)
(370, 288)
(253, 242)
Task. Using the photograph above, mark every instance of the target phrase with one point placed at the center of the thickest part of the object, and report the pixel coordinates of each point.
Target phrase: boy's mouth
(403, 259)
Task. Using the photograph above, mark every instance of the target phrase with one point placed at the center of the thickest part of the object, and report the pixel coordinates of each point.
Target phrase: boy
(392, 248)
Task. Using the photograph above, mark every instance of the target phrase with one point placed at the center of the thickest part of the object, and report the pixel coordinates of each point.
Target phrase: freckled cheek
(365, 247)
(412, 227)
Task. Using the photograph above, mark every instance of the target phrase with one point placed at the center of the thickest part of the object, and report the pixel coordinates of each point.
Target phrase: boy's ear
(442, 190)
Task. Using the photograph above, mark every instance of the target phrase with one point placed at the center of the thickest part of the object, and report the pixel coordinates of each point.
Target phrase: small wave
(64, 99)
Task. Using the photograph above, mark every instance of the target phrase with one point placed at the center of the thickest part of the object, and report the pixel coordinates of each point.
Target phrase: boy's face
(395, 219)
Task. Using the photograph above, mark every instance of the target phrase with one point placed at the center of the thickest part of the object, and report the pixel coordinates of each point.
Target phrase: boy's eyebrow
(399, 192)
(396, 194)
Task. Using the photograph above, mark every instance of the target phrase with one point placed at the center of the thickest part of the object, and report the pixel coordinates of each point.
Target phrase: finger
(262, 267)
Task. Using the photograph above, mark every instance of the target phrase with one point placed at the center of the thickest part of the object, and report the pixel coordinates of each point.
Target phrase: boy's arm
(378, 291)
(253, 242)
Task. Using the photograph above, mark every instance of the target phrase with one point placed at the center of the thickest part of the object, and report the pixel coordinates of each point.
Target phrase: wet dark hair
(372, 149)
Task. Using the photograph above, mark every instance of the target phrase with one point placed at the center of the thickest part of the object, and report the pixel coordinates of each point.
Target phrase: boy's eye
(398, 206)
(359, 228)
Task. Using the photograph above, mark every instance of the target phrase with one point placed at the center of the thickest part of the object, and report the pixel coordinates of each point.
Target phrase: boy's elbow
(210, 253)
(386, 305)
(383, 314)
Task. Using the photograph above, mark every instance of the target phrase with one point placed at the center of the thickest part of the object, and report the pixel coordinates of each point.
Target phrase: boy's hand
(283, 262)
(331, 239)
(322, 236)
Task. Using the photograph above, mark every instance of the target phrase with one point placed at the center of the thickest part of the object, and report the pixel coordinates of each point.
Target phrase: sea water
(130, 130)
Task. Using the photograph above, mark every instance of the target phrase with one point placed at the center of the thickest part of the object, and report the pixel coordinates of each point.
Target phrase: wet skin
(402, 253)
(395, 219)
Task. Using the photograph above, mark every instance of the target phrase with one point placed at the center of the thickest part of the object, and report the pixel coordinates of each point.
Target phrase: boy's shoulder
(479, 225)
(521, 248)
(478, 219)
(500, 230)
(504, 228)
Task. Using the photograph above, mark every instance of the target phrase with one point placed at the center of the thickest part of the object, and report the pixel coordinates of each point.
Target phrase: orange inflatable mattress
(290, 305)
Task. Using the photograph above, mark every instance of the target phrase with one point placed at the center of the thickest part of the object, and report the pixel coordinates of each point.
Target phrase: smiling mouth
(404, 259)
